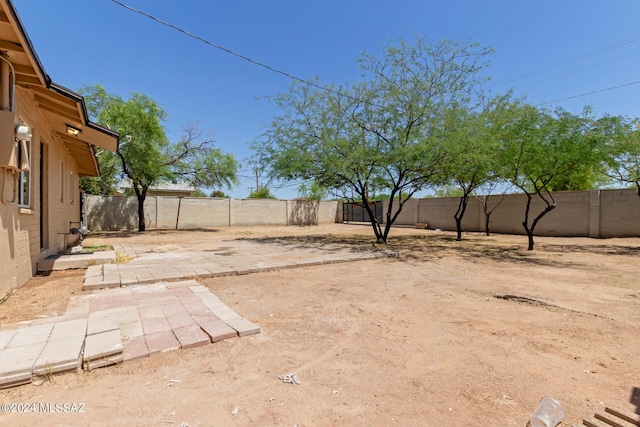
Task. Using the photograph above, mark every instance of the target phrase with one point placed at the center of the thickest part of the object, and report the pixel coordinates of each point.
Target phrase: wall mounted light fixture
(73, 131)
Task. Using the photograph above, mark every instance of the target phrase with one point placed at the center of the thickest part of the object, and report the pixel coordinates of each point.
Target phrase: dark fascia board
(76, 97)
(29, 47)
(53, 86)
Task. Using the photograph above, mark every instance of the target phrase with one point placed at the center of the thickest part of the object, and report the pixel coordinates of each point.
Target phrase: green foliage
(449, 191)
(261, 193)
(146, 157)
(219, 194)
(542, 148)
(313, 191)
(198, 193)
(382, 134)
(623, 150)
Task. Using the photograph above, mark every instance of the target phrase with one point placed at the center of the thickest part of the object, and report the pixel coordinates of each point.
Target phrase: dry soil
(415, 340)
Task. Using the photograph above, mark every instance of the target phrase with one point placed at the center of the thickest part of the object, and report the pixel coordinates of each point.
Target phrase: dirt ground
(417, 340)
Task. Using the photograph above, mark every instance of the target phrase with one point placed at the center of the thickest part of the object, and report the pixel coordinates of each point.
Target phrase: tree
(146, 156)
(261, 193)
(219, 194)
(198, 193)
(623, 155)
(312, 191)
(473, 134)
(382, 134)
(483, 195)
(107, 183)
(539, 148)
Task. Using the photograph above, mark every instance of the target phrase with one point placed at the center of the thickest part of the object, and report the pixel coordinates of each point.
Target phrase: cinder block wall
(619, 213)
(599, 213)
(120, 212)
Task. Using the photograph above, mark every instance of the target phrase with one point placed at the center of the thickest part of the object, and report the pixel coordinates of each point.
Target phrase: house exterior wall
(20, 239)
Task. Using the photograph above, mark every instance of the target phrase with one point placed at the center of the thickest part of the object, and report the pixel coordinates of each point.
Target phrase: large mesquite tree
(382, 134)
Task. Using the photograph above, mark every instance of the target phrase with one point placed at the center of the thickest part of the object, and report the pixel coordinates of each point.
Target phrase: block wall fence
(598, 213)
(121, 212)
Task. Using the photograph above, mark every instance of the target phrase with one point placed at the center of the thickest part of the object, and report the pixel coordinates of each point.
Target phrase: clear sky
(548, 50)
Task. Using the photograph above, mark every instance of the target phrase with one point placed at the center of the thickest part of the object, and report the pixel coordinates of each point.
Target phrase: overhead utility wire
(568, 60)
(591, 93)
(578, 70)
(260, 64)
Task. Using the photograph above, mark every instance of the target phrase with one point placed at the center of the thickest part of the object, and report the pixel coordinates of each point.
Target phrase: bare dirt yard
(414, 340)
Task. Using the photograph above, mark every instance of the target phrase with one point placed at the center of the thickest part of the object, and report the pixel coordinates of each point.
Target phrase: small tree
(261, 193)
(474, 139)
(539, 148)
(483, 195)
(219, 194)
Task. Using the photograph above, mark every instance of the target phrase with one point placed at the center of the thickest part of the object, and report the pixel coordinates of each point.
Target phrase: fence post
(594, 214)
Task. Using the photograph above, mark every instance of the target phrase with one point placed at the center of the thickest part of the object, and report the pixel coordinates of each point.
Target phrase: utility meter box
(8, 143)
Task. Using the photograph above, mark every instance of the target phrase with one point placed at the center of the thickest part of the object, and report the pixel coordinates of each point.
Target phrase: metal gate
(355, 212)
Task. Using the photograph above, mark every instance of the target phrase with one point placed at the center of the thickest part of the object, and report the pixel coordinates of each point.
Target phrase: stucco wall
(20, 237)
(120, 212)
(599, 213)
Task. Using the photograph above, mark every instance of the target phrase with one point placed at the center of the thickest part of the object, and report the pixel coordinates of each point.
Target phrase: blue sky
(82, 42)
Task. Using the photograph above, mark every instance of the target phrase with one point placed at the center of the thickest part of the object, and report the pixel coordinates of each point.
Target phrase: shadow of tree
(150, 232)
(304, 212)
(112, 213)
(422, 247)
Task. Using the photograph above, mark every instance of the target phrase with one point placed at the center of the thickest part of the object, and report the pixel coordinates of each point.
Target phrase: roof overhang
(59, 106)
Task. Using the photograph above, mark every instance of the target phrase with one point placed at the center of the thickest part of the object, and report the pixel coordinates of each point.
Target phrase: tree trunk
(487, 217)
(141, 195)
(530, 237)
(462, 207)
(525, 223)
(142, 226)
(377, 230)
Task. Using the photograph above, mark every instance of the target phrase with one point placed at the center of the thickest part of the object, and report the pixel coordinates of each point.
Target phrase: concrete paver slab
(243, 326)
(59, 355)
(191, 336)
(102, 362)
(69, 328)
(98, 324)
(161, 342)
(152, 326)
(5, 337)
(16, 364)
(135, 348)
(31, 335)
(102, 345)
(131, 330)
(215, 328)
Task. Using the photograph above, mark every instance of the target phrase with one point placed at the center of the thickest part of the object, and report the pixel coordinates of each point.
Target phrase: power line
(578, 70)
(567, 61)
(591, 93)
(230, 52)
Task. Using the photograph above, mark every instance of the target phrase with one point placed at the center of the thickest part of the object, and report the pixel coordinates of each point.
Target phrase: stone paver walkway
(152, 263)
(151, 308)
(116, 325)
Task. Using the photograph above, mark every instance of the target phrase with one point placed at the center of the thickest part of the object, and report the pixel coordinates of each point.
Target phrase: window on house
(24, 177)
